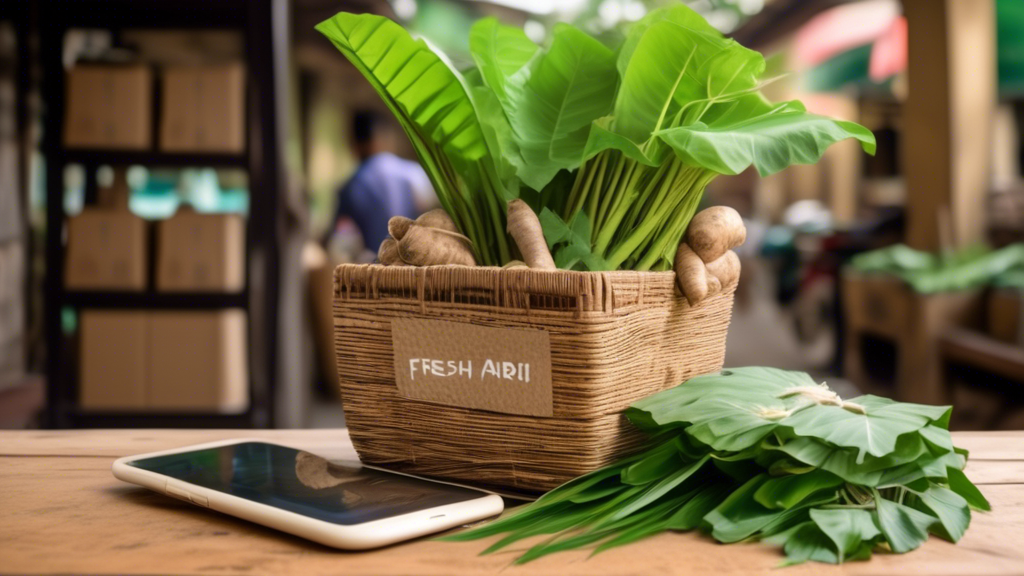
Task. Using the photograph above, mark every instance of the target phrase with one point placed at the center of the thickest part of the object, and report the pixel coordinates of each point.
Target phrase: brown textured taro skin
(524, 227)
(437, 218)
(388, 253)
(715, 230)
(398, 225)
(691, 275)
(726, 268)
(422, 246)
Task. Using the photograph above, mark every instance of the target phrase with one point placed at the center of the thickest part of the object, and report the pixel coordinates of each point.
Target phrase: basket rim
(513, 271)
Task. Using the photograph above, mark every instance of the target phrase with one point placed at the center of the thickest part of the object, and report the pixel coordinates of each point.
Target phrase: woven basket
(615, 337)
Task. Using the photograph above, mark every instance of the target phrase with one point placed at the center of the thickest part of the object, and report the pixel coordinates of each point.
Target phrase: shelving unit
(263, 24)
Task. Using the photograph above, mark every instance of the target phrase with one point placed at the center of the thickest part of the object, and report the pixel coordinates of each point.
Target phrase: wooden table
(61, 511)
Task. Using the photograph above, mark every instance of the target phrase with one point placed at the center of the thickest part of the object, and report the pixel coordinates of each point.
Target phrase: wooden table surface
(61, 511)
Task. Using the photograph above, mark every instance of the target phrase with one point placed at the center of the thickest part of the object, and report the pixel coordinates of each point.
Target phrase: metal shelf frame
(265, 38)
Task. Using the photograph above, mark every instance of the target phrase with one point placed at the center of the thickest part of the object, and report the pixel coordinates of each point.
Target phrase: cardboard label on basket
(499, 369)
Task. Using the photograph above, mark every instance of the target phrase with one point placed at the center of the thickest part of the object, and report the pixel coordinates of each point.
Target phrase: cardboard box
(107, 243)
(203, 109)
(109, 107)
(106, 250)
(201, 252)
(197, 361)
(112, 365)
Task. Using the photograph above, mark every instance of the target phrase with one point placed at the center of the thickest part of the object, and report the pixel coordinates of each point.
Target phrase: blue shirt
(383, 186)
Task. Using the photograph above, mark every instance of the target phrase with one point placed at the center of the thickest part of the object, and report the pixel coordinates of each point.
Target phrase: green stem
(647, 226)
(674, 230)
(622, 196)
(497, 213)
(579, 198)
(611, 193)
(625, 214)
(596, 190)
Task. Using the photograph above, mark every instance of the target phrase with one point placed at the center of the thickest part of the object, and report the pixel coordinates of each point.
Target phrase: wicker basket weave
(615, 337)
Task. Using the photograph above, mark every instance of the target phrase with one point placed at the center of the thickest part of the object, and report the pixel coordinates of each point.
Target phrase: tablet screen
(300, 482)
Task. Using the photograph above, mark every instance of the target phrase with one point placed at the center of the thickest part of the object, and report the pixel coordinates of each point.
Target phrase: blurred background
(178, 178)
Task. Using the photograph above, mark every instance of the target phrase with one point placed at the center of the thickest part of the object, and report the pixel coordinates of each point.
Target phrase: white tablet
(340, 504)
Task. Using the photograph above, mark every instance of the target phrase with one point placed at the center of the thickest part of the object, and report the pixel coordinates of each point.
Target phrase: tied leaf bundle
(765, 454)
(611, 148)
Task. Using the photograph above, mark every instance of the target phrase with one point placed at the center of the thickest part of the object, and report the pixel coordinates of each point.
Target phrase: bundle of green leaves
(613, 148)
(765, 454)
(927, 273)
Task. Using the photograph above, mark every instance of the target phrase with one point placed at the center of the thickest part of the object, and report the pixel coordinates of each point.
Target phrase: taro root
(388, 253)
(436, 218)
(714, 231)
(726, 268)
(525, 229)
(397, 226)
(691, 275)
(422, 246)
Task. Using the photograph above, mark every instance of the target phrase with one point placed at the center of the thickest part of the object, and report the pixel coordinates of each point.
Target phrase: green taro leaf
(660, 65)
(786, 492)
(874, 433)
(904, 462)
(903, 527)
(499, 52)
(677, 13)
(498, 136)
(847, 528)
(950, 508)
(959, 483)
(553, 100)
(739, 516)
(808, 542)
(419, 85)
(726, 410)
(574, 239)
(769, 142)
(603, 137)
(745, 107)
(727, 75)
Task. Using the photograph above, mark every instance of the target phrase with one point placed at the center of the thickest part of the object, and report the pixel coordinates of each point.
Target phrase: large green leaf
(732, 410)
(809, 542)
(904, 528)
(769, 143)
(418, 85)
(553, 100)
(950, 508)
(498, 136)
(659, 65)
(845, 462)
(499, 52)
(786, 492)
(874, 432)
(959, 483)
(603, 137)
(846, 528)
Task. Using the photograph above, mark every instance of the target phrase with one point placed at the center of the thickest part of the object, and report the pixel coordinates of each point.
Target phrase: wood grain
(63, 512)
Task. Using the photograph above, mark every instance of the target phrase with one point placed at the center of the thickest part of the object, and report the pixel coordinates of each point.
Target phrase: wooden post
(948, 118)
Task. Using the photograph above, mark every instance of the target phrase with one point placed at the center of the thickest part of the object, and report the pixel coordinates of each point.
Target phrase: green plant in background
(928, 273)
(765, 454)
(618, 144)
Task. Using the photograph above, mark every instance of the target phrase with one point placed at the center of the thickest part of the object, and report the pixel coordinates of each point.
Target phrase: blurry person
(383, 185)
